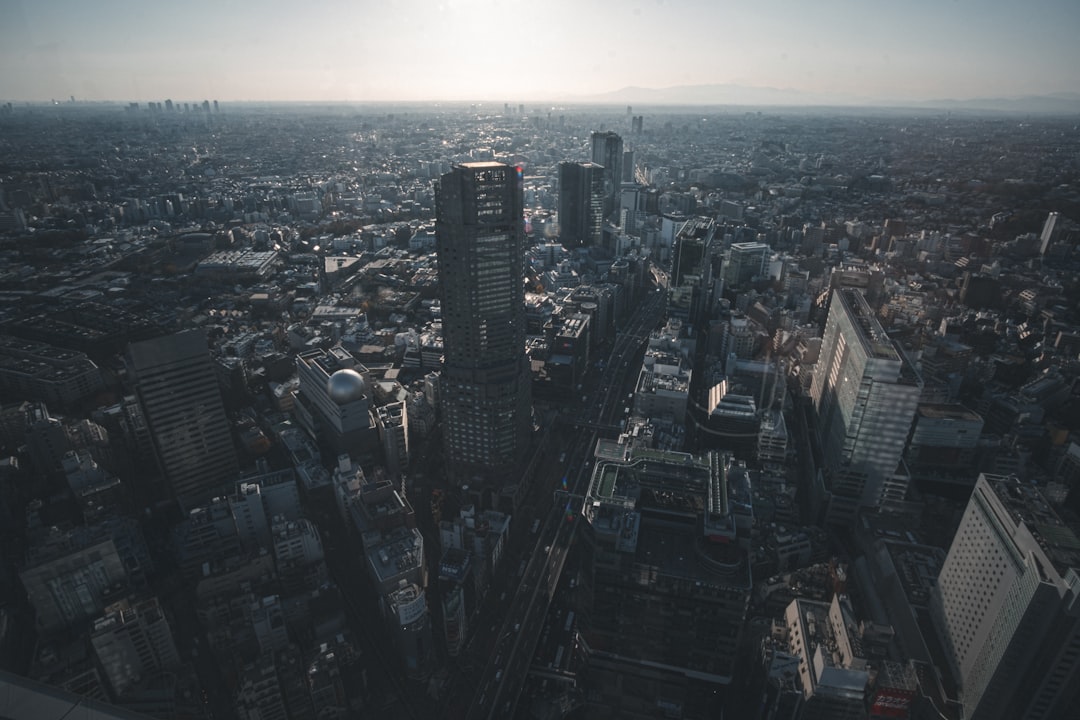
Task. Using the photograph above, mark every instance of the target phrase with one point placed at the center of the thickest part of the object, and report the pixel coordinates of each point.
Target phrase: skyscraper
(581, 204)
(1006, 605)
(865, 391)
(690, 289)
(484, 389)
(607, 150)
(178, 390)
(1059, 235)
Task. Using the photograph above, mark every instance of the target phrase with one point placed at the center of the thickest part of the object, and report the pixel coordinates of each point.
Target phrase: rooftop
(1026, 505)
(398, 553)
(944, 411)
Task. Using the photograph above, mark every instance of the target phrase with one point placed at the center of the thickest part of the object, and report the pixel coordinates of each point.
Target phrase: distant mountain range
(751, 96)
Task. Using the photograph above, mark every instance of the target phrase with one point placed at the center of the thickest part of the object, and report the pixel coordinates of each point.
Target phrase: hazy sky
(513, 50)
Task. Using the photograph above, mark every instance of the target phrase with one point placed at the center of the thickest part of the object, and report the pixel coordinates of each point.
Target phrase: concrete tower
(865, 392)
(607, 150)
(581, 204)
(484, 389)
(178, 390)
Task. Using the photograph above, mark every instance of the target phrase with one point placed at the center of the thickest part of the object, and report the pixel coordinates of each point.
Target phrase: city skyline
(833, 51)
(714, 461)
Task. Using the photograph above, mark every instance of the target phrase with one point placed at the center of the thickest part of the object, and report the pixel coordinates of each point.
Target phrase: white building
(1007, 605)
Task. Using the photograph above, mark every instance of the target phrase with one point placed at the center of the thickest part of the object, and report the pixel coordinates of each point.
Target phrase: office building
(47, 442)
(690, 290)
(485, 383)
(772, 439)
(258, 499)
(258, 692)
(663, 385)
(865, 391)
(133, 643)
(177, 388)
(337, 679)
(607, 150)
(666, 573)
(459, 594)
(298, 555)
(1006, 605)
(581, 204)
(399, 572)
(54, 375)
(392, 420)
(569, 336)
(944, 443)
(333, 403)
(744, 262)
(72, 578)
(1059, 235)
(832, 670)
(627, 167)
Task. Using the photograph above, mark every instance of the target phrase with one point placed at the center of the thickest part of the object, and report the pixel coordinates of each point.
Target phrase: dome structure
(345, 386)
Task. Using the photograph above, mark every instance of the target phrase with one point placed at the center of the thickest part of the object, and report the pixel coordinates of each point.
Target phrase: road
(499, 686)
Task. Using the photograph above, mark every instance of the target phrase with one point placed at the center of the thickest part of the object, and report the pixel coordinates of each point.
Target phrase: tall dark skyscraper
(484, 389)
(607, 150)
(581, 204)
(178, 390)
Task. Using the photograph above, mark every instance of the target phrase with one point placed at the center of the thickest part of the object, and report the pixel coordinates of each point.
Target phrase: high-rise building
(178, 390)
(627, 167)
(133, 642)
(333, 402)
(607, 150)
(690, 289)
(865, 391)
(1006, 605)
(581, 204)
(1059, 235)
(392, 420)
(71, 579)
(745, 261)
(485, 383)
(666, 575)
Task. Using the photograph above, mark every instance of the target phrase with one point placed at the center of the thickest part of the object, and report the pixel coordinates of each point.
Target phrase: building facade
(666, 578)
(745, 261)
(333, 402)
(1007, 604)
(865, 391)
(177, 388)
(607, 150)
(581, 204)
(484, 388)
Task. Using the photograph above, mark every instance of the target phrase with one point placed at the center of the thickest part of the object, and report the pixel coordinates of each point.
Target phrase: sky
(519, 51)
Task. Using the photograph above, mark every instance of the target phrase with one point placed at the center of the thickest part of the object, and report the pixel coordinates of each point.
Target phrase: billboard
(892, 703)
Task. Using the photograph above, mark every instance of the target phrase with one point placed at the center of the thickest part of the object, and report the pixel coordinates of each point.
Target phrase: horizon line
(979, 103)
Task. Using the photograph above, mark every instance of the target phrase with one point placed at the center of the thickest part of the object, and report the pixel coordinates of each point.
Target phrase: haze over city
(841, 51)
